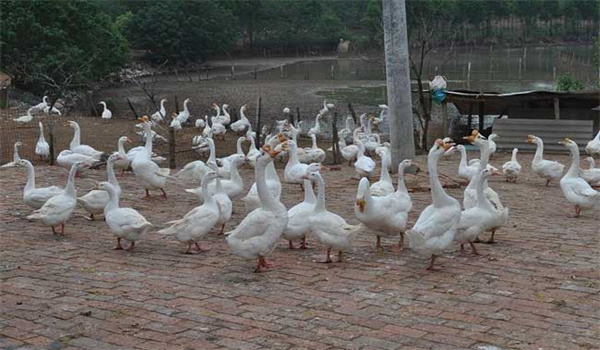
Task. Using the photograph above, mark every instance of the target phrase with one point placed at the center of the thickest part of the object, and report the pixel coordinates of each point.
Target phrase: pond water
(492, 69)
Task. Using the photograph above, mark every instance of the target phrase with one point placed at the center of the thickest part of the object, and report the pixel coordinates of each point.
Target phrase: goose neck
(401, 184)
(76, 136)
(574, 170)
(266, 198)
(320, 206)
(70, 188)
(539, 151)
(30, 185)
(239, 146)
(439, 196)
(309, 194)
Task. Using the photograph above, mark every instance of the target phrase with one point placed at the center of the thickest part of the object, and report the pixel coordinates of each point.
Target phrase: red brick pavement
(538, 288)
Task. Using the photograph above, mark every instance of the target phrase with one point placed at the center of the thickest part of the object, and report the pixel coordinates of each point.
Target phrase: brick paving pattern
(537, 288)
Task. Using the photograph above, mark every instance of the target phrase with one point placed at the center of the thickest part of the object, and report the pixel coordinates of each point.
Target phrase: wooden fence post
(335, 147)
(172, 145)
(51, 139)
(258, 126)
(298, 117)
(353, 113)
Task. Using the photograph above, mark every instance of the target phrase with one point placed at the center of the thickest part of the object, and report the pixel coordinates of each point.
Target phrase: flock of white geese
(378, 206)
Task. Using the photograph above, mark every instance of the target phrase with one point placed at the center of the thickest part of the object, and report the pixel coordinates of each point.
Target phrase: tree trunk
(398, 81)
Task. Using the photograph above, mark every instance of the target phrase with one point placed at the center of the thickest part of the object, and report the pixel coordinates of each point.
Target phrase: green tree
(58, 45)
(181, 30)
(566, 82)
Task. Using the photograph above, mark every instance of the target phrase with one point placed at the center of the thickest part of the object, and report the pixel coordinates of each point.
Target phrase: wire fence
(103, 135)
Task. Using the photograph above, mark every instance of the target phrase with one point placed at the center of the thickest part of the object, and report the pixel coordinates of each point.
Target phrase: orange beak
(143, 119)
(471, 137)
(529, 139)
(361, 205)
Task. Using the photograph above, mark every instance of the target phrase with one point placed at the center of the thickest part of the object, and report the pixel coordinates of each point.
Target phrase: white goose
(161, 114)
(347, 131)
(382, 115)
(593, 147)
(592, 174)
(126, 223)
(546, 169)
(95, 201)
(218, 129)
(466, 171)
(122, 163)
(224, 203)
(492, 143)
(233, 187)
(225, 118)
(183, 116)
(57, 210)
(32, 196)
(298, 226)
(242, 124)
(364, 165)
(106, 113)
(225, 162)
(512, 168)
(314, 153)
(42, 148)
(76, 146)
(66, 159)
(577, 191)
(327, 107)
(26, 118)
(329, 228)
(384, 186)
(294, 170)
(47, 107)
(197, 222)
(257, 235)
(147, 172)
(253, 152)
(350, 152)
(386, 215)
(477, 220)
(317, 128)
(252, 199)
(436, 227)
(16, 156)
(175, 123)
(207, 132)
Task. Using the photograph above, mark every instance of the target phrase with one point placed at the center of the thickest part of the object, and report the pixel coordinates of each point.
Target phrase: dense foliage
(45, 43)
(49, 45)
(566, 82)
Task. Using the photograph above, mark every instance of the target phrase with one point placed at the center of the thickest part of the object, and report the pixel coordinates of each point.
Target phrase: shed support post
(481, 116)
(556, 108)
(444, 119)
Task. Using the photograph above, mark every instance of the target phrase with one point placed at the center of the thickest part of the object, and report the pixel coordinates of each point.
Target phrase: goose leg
(119, 246)
(189, 249)
(131, 246)
(164, 193)
(378, 246)
(491, 240)
(473, 248)
(431, 266)
(340, 256)
(62, 229)
(258, 268)
(577, 211)
(547, 182)
(401, 242)
(462, 248)
(222, 230)
(264, 263)
(198, 248)
(53, 230)
(147, 196)
(291, 245)
(304, 245)
(328, 260)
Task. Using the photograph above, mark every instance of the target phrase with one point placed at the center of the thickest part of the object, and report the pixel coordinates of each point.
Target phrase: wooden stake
(258, 126)
(172, 146)
(335, 146)
(353, 114)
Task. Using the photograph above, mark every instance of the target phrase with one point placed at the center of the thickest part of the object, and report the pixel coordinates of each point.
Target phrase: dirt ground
(536, 288)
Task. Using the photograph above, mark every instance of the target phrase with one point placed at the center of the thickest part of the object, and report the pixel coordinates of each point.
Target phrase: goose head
(567, 142)
(492, 137)
(105, 186)
(114, 157)
(210, 176)
(440, 147)
(361, 194)
(532, 139)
